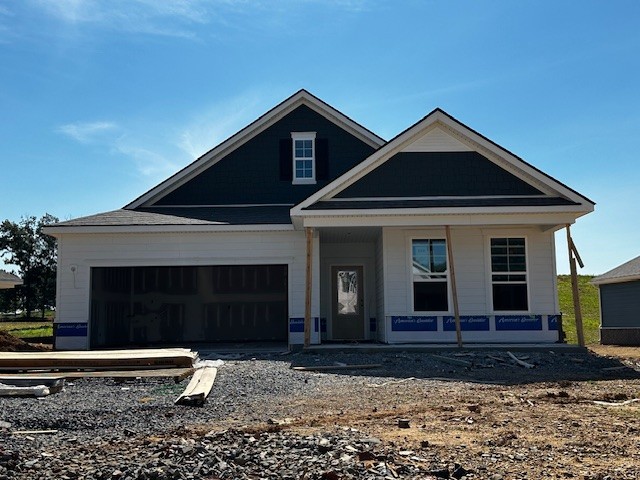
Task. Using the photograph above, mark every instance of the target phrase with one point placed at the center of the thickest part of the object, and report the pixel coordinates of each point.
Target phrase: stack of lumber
(160, 362)
(41, 373)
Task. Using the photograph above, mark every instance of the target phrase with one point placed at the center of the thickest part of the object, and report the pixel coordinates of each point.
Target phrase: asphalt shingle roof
(9, 277)
(254, 215)
(630, 270)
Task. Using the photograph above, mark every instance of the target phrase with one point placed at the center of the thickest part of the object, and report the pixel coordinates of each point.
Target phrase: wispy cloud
(218, 122)
(148, 162)
(86, 132)
(157, 151)
(161, 17)
(177, 18)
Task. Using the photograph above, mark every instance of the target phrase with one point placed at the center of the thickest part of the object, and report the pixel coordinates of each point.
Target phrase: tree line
(34, 253)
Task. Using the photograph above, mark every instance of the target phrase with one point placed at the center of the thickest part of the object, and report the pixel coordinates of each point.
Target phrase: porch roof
(371, 204)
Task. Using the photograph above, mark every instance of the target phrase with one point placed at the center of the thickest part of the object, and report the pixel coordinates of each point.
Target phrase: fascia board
(247, 133)
(57, 231)
(447, 211)
(438, 220)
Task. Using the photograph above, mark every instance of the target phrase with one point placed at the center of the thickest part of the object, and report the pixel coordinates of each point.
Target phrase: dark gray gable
(253, 173)
(431, 174)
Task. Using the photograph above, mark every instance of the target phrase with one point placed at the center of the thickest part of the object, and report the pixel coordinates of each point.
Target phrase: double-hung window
(429, 275)
(304, 169)
(509, 274)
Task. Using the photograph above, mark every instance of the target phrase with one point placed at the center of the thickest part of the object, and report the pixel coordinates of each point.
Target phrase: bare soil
(545, 428)
(9, 343)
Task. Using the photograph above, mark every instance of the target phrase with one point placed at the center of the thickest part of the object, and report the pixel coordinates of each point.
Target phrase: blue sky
(101, 100)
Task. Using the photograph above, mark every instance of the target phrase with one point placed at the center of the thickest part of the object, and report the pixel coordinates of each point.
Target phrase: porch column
(573, 253)
(307, 289)
(454, 290)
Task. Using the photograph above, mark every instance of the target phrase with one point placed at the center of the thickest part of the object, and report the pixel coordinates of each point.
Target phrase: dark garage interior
(177, 305)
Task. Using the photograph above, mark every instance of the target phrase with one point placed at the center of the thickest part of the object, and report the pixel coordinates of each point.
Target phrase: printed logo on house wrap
(477, 323)
(296, 324)
(70, 329)
(518, 322)
(552, 321)
(414, 324)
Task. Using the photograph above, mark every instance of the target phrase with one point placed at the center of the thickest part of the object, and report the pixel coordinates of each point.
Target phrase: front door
(347, 316)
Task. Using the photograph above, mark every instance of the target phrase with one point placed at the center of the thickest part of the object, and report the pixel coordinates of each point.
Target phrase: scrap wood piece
(498, 359)
(520, 362)
(453, 361)
(31, 391)
(391, 382)
(199, 387)
(34, 432)
(467, 380)
(616, 404)
(336, 367)
(54, 384)
(613, 369)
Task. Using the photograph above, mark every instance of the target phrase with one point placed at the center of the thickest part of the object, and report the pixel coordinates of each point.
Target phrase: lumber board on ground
(70, 360)
(319, 368)
(199, 387)
(176, 373)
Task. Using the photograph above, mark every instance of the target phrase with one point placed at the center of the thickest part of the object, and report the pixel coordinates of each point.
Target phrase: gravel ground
(470, 415)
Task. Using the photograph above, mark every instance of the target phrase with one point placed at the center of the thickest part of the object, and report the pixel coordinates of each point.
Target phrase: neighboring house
(619, 292)
(218, 252)
(9, 280)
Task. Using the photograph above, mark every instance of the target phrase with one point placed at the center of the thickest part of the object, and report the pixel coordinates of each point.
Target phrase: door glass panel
(347, 284)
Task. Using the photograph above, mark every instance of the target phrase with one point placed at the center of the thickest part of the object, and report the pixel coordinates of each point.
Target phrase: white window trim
(410, 271)
(304, 136)
(490, 274)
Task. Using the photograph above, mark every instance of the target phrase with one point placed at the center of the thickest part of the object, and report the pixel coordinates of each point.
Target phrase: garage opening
(143, 306)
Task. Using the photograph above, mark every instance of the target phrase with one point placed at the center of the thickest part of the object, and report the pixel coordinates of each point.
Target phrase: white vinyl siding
(471, 256)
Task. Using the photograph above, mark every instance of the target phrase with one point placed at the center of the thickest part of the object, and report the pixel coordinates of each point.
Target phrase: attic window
(304, 168)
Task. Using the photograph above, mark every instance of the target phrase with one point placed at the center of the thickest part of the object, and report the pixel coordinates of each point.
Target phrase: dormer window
(304, 157)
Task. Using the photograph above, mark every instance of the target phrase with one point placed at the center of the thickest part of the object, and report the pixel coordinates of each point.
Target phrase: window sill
(304, 181)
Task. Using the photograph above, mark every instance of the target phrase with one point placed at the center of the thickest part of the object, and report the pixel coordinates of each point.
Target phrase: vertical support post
(574, 287)
(454, 290)
(307, 289)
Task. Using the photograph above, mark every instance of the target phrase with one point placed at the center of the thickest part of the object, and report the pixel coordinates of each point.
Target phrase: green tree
(24, 245)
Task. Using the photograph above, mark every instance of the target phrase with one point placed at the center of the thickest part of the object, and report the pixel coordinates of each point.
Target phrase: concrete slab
(441, 347)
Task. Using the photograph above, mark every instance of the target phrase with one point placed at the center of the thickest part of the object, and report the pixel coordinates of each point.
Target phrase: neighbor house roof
(9, 280)
(627, 272)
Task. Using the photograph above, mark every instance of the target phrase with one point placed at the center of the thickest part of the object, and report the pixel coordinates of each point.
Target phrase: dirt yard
(522, 429)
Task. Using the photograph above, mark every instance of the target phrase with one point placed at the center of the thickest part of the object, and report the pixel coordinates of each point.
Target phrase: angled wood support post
(454, 290)
(307, 289)
(574, 286)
